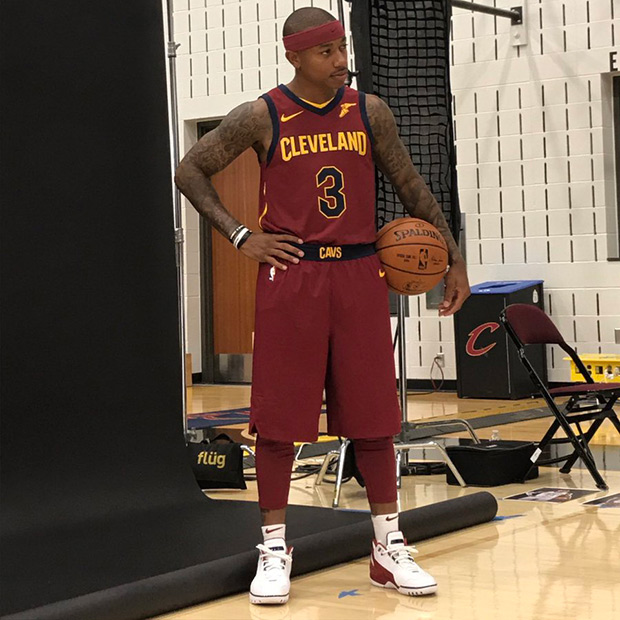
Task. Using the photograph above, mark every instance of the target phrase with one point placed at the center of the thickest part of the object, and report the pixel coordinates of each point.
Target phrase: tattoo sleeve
(242, 128)
(393, 159)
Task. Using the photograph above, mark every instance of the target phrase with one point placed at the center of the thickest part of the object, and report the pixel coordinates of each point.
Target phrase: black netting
(402, 55)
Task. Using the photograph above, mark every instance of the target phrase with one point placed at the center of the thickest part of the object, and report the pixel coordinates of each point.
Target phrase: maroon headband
(314, 36)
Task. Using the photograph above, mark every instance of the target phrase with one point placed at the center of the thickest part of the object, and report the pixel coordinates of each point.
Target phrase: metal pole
(402, 357)
(340, 12)
(402, 383)
(515, 15)
(176, 201)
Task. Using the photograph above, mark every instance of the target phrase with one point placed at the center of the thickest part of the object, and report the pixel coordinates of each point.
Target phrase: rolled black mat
(231, 574)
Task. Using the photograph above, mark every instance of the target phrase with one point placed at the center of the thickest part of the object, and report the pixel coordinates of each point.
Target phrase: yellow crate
(604, 368)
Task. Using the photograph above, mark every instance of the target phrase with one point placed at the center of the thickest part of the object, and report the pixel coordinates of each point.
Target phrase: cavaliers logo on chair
(471, 348)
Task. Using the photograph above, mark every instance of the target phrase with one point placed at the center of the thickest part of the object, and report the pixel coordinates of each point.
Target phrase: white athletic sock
(277, 530)
(384, 525)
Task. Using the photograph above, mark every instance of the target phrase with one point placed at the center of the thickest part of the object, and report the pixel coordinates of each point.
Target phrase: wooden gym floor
(547, 561)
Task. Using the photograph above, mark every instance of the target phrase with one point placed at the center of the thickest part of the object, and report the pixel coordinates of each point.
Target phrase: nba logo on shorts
(272, 274)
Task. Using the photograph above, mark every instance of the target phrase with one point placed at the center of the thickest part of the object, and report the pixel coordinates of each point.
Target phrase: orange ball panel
(414, 255)
(389, 226)
(410, 283)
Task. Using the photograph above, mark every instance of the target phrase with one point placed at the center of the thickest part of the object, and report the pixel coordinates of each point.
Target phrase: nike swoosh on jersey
(285, 118)
(381, 273)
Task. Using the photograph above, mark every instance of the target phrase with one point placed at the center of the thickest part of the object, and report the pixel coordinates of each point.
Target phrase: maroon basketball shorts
(323, 325)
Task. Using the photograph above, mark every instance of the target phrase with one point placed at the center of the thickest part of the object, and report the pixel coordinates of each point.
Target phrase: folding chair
(588, 402)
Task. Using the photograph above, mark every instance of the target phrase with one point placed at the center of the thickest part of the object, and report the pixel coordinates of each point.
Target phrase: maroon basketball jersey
(318, 181)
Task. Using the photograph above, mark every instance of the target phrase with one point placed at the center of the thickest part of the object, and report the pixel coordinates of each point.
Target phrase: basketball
(414, 255)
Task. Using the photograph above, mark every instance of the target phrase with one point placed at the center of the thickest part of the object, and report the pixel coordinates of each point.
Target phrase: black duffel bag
(492, 463)
(217, 464)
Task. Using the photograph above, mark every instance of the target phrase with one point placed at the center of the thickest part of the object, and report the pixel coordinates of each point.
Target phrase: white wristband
(239, 235)
(235, 232)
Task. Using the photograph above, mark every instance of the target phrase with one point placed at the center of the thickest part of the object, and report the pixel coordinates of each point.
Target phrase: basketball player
(322, 315)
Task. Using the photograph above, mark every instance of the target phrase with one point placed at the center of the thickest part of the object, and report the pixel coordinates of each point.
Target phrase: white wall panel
(560, 250)
(602, 11)
(536, 224)
(512, 199)
(490, 226)
(491, 253)
(510, 146)
(582, 221)
(532, 145)
(583, 247)
(587, 332)
(465, 127)
(512, 173)
(513, 225)
(489, 200)
(514, 251)
(484, 49)
(536, 248)
(535, 194)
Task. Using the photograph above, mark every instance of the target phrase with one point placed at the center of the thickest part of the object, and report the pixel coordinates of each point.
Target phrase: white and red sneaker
(273, 576)
(392, 566)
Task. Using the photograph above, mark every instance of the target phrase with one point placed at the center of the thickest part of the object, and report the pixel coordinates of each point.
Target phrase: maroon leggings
(274, 460)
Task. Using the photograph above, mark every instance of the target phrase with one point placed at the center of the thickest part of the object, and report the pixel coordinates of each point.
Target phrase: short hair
(307, 17)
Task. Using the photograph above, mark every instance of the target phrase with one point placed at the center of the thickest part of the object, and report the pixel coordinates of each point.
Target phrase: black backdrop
(90, 351)
(101, 517)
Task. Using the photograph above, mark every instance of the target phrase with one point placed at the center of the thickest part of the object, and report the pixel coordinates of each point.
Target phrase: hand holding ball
(414, 255)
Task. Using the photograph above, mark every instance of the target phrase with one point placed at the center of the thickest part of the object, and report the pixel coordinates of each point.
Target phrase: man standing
(322, 316)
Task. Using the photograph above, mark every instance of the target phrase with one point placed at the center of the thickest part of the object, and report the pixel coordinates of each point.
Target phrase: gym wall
(525, 228)
(544, 209)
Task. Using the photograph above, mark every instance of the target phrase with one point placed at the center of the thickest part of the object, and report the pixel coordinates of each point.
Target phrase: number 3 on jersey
(333, 203)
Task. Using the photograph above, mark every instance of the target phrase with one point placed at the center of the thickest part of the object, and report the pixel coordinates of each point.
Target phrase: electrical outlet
(440, 359)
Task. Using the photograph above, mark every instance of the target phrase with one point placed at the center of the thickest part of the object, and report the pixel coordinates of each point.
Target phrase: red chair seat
(579, 388)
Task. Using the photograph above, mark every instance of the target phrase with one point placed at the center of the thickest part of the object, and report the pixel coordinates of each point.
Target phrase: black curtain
(90, 352)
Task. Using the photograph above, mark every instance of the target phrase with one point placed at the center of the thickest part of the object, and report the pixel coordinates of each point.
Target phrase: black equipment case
(492, 463)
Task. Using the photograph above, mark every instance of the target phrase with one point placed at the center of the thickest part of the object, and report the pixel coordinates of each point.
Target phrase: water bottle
(495, 435)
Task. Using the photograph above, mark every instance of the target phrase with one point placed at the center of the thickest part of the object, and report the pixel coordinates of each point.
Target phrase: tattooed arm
(246, 126)
(393, 159)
